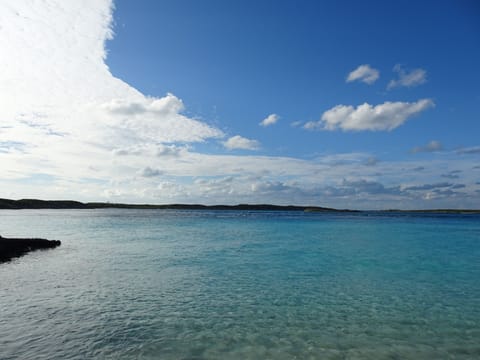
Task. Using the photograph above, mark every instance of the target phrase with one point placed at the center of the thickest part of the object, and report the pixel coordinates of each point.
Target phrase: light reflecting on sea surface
(159, 284)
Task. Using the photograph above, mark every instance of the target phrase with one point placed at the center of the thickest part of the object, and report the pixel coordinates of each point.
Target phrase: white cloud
(239, 142)
(386, 116)
(167, 105)
(65, 103)
(432, 146)
(410, 78)
(269, 120)
(364, 73)
(155, 120)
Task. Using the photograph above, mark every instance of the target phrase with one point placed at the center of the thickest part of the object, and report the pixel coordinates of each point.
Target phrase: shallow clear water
(156, 284)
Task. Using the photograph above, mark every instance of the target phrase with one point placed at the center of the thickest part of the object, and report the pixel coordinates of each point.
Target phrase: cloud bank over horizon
(71, 129)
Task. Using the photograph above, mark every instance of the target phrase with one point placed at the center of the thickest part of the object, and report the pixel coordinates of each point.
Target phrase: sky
(344, 104)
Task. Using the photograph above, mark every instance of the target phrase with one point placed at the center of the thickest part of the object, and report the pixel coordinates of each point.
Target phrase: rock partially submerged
(14, 247)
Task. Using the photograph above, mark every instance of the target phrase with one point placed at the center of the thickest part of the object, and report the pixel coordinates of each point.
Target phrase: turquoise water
(156, 284)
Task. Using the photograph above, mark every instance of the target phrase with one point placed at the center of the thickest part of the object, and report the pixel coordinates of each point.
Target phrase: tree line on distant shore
(71, 204)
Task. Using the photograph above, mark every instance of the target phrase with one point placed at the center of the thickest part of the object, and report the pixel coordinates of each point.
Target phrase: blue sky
(369, 104)
(237, 62)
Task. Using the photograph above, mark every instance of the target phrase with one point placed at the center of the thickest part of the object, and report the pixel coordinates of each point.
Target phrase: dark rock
(14, 247)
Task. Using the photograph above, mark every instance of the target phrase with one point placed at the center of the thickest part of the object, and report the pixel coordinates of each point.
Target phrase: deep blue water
(156, 284)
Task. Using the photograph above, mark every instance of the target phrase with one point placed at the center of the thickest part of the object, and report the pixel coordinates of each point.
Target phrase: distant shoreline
(9, 204)
(71, 204)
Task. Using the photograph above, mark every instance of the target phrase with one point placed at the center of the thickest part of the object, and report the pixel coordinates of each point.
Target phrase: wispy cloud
(160, 150)
(468, 150)
(451, 174)
(371, 161)
(134, 150)
(428, 186)
(432, 146)
(270, 120)
(369, 187)
(239, 142)
(296, 123)
(11, 146)
(365, 74)
(383, 117)
(407, 78)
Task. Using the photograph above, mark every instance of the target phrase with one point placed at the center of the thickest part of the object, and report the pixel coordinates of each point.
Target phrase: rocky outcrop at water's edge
(15, 247)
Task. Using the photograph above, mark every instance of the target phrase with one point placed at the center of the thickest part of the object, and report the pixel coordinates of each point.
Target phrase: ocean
(165, 284)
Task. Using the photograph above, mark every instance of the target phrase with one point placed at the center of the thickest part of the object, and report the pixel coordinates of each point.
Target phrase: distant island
(70, 204)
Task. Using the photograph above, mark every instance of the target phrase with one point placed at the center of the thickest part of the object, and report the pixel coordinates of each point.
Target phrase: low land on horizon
(71, 204)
